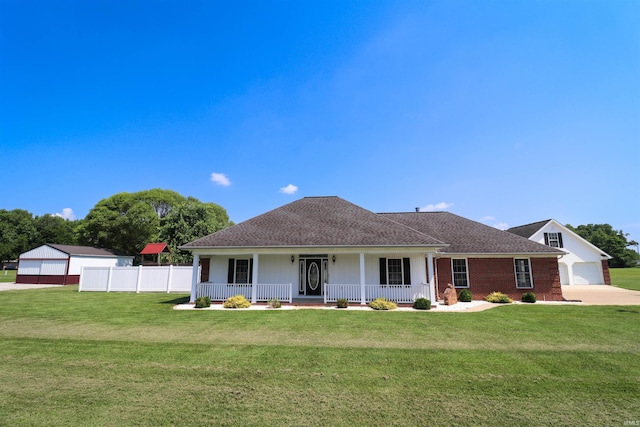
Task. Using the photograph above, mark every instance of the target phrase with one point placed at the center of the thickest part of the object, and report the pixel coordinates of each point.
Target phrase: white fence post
(170, 278)
(363, 296)
(109, 276)
(81, 278)
(254, 285)
(139, 280)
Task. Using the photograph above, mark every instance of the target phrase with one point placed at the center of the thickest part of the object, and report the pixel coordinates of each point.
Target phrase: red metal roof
(155, 248)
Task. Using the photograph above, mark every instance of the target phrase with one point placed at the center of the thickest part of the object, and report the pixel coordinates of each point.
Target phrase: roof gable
(528, 230)
(317, 221)
(465, 236)
(155, 248)
(569, 237)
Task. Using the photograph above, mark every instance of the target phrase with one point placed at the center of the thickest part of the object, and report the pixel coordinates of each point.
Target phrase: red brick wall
(487, 275)
(605, 271)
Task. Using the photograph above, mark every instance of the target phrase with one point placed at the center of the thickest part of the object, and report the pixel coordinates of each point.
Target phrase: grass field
(8, 276)
(72, 358)
(628, 278)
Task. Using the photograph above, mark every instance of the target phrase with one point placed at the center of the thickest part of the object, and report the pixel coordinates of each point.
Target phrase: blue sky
(505, 112)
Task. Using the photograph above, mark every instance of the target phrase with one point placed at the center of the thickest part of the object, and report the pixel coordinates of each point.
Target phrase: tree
(122, 222)
(189, 221)
(54, 229)
(17, 233)
(126, 222)
(613, 242)
(162, 201)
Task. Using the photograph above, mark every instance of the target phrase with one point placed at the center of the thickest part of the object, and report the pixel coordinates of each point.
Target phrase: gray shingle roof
(334, 222)
(468, 237)
(528, 230)
(83, 250)
(317, 221)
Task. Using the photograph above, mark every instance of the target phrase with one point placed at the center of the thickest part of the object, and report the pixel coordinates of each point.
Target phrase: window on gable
(240, 270)
(523, 273)
(395, 271)
(460, 276)
(553, 239)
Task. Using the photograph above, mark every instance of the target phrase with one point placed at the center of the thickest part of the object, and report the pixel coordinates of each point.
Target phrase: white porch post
(194, 279)
(432, 285)
(363, 296)
(254, 285)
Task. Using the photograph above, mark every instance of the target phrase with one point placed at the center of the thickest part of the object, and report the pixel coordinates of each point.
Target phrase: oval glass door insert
(313, 277)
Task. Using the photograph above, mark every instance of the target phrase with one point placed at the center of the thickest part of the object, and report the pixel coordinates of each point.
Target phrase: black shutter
(250, 270)
(231, 270)
(560, 240)
(407, 270)
(383, 271)
(546, 239)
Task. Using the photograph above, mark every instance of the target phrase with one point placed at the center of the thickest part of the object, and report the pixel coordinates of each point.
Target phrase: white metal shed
(61, 264)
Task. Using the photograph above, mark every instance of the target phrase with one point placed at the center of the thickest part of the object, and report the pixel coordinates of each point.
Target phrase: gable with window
(240, 271)
(553, 239)
(523, 273)
(395, 271)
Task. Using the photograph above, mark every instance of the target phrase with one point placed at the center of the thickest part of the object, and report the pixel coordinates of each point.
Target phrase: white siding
(44, 252)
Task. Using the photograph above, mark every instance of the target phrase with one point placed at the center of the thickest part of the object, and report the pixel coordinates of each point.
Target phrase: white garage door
(586, 273)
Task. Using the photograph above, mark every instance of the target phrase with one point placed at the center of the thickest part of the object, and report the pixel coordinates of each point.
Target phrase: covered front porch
(357, 276)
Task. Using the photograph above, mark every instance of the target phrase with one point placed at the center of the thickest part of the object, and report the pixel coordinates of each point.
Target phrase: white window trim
(401, 272)
(235, 271)
(515, 272)
(556, 240)
(466, 270)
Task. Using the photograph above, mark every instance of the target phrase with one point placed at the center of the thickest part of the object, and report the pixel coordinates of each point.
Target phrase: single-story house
(327, 246)
(583, 263)
(62, 264)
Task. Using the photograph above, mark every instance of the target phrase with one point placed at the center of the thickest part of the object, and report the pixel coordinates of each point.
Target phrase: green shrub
(465, 296)
(422, 304)
(382, 304)
(203, 302)
(498, 297)
(238, 301)
(342, 303)
(529, 297)
(274, 303)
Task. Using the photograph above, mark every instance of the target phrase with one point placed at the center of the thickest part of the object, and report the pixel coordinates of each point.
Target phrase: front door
(314, 276)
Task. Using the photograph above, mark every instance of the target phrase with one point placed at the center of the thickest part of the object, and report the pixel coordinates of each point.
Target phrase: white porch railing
(397, 293)
(264, 292)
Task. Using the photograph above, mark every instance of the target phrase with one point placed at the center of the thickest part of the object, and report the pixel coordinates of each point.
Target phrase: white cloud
(67, 213)
(488, 218)
(437, 207)
(501, 226)
(289, 189)
(220, 179)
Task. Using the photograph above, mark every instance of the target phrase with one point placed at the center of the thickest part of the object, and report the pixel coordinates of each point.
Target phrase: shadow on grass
(181, 300)
(626, 310)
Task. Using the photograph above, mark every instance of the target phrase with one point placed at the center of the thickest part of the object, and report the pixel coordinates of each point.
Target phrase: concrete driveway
(601, 295)
(18, 286)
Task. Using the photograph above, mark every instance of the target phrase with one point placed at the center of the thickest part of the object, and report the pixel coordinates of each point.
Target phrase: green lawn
(70, 358)
(628, 278)
(8, 276)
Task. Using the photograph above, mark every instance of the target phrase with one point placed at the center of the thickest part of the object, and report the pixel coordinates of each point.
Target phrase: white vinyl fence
(136, 279)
